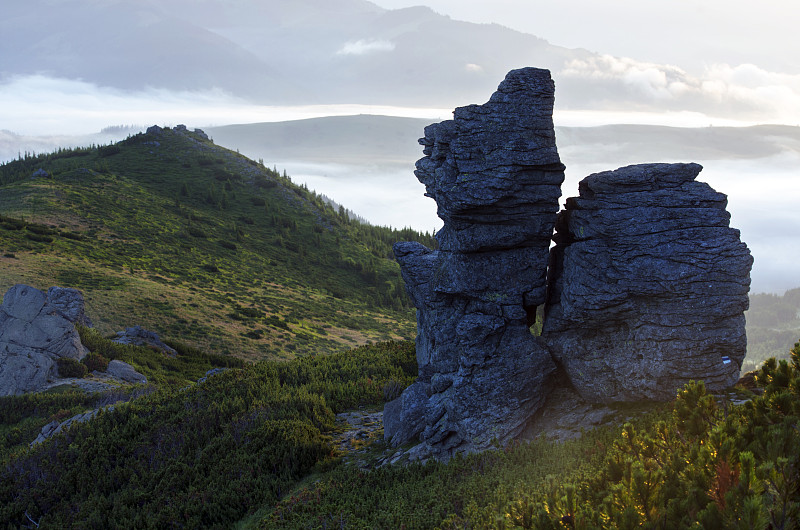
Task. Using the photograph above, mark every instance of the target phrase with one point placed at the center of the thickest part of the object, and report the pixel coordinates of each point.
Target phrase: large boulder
(495, 174)
(34, 333)
(648, 285)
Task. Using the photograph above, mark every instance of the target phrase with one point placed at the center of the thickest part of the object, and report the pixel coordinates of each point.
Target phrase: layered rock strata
(496, 176)
(35, 330)
(648, 285)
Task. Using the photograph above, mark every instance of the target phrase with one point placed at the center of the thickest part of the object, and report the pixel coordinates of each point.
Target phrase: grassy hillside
(253, 445)
(773, 325)
(169, 231)
(699, 462)
(198, 456)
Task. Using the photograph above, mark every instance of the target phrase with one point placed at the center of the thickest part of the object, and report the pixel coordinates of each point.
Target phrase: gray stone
(34, 333)
(70, 304)
(125, 372)
(23, 302)
(55, 427)
(648, 285)
(403, 418)
(211, 373)
(138, 336)
(495, 174)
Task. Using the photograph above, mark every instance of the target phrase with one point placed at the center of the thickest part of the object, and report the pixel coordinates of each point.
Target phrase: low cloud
(365, 47)
(745, 91)
(44, 106)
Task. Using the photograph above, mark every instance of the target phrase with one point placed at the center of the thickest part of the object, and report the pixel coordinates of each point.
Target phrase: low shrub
(108, 150)
(70, 368)
(196, 232)
(95, 362)
(251, 312)
(38, 238)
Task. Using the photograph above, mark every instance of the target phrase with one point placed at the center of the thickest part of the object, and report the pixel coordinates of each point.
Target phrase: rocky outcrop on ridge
(35, 331)
(496, 176)
(138, 336)
(648, 285)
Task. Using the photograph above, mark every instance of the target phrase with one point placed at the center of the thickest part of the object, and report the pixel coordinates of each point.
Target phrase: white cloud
(39, 105)
(472, 67)
(745, 91)
(365, 46)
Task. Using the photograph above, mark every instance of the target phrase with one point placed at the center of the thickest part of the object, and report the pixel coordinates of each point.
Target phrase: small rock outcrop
(212, 373)
(648, 285)
(70, 303)
(35, 331)
(138, 336)
(56, 427)
(125, 372)
(496, 176)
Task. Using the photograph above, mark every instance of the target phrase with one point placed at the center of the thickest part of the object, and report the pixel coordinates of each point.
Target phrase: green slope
(773, 326)
(169, 231)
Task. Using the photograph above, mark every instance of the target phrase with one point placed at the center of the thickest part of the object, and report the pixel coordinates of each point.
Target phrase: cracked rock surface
(36, 330)
(648, 285)
(496, 176)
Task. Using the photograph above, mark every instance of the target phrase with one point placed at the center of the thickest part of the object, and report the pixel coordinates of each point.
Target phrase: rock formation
(495, 175)
(648, 285)
(56, 427)
(70, 303)
(35, 330)
(138, 336)
(125, 372)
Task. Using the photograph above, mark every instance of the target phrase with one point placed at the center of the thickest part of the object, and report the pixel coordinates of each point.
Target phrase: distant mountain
(280, 51)
(126, 45)
(172, 232)
(351, 140)
(388, 140)
(341, 51)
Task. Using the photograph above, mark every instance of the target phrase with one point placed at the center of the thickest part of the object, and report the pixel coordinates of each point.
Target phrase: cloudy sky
(674, 62)
(693, 34)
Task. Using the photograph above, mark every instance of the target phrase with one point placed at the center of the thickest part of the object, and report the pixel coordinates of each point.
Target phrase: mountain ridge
(198, 242)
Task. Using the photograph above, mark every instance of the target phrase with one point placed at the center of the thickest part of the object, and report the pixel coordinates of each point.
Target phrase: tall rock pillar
(496, 176)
